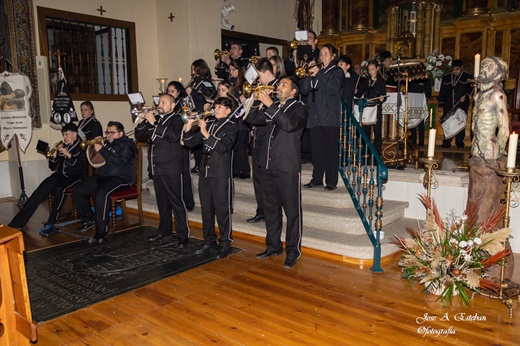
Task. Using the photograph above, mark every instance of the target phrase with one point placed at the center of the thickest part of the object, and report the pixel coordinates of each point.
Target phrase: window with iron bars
(97, 55)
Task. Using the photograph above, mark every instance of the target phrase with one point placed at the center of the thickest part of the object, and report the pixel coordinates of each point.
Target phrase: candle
(431, 117)
(511, 153)
(476, 70)
(431, 142)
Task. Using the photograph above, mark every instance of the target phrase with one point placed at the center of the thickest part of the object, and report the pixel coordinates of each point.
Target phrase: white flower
(453, 240)
(477, 241)
(441, 57)
(463, 244)
(464, 217)
(470, 242)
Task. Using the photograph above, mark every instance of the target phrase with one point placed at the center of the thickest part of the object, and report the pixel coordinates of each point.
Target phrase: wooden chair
(133, 192)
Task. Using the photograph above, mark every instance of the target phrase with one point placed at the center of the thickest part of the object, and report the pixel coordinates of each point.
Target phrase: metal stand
(431, 164)
(510, 176)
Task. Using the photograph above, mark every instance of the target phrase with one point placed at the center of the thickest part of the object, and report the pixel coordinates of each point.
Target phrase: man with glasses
(118, 173)
(70, 164)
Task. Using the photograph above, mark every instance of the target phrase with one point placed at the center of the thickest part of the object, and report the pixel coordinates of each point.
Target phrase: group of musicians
(293, 99)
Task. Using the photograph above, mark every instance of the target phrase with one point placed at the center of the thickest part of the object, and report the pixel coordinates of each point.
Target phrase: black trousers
(306, 146)
(258, 178)
(101, 188)
(459, 140)
(55, 183)
(197, 154)
(187, 182)
(240, 155)
(282, 190)
(169, 195)
(325, 154)
(215, 201)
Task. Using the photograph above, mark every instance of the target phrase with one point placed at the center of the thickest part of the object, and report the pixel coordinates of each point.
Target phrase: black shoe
(256, 219)
(152, 238)
(311, 185)
(183, 244)
(223, 251)
(164, 240)
(445, 146)
(86, 226)
(45, 232)
(290, 261)
(330, 188)
(269, 253)
(98, 238)
(195, 170)
(206, 248)
(190, 209)
(460, 146)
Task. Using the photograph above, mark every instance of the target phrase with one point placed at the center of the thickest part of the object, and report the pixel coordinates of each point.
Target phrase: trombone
(50, 153)
(303, 71)
(248, 89)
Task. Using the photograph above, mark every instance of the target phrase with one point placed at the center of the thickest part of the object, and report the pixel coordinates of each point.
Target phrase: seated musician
(116, 174)
(89, 127)
(218, 136)
(70, 164)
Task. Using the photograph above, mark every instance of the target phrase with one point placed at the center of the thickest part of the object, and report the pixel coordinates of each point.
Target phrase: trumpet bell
(217, 53)
(294, 44)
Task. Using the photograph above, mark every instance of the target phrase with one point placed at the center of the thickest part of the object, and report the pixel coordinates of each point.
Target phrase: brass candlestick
(431, 164)
(509, 176)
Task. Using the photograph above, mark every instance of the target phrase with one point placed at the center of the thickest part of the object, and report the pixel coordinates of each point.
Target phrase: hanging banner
(63, 111)
(15, 92)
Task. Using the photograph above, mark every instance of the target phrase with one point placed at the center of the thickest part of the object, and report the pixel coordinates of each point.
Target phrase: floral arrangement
(364, 68)
(438, 65)
(452, 255)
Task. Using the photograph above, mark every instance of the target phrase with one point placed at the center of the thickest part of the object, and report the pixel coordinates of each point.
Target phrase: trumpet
(139, 113)
(185, 116)
(303, 71)
(248, 89)
(294, 44)
(50, 153)
(253, 59)
(85, 144)
(218, 53)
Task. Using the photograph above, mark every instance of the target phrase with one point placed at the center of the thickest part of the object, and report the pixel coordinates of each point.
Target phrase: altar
(417, 108)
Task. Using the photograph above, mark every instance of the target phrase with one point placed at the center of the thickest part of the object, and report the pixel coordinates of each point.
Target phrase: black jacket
(202, 88)
(165, 153)
(119, 159)
(284, 126)
(350, 83)
(259, 130)
(323, 93)
(452, 89)
(217, 151)
(76, 166)
(90, 127)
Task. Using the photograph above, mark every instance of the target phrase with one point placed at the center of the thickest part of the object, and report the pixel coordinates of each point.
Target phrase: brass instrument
(253, 59)
(139, 113)
(248, 89)
(186, 116)
(303, 71)
(50, 153)
(85, 144)
(218, 53)
(294, 44)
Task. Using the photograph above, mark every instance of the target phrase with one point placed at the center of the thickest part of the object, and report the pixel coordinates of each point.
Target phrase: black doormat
(66, 278)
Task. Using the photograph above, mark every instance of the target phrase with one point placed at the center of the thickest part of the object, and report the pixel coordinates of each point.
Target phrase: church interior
(110, 49)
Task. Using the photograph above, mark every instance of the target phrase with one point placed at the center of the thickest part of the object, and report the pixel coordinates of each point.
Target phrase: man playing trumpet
(117, 173)
(165, 158)
(70, 164)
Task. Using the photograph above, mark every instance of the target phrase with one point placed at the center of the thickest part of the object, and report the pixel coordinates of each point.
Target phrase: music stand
(408, 71)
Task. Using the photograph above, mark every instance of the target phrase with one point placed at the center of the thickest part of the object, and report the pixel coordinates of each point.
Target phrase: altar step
(330, 221)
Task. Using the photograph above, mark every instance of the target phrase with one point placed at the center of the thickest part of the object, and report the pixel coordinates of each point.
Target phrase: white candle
(476, 70)
(431, 142)
(511, 152)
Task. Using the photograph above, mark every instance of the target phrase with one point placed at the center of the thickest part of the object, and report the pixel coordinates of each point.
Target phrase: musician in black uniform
(266, 77)
(89, 127)
(351, 81)
(455, 92)
(218, 136)
(281, 163)
(323, 90)
(69, 164)
(165, 159)
(294, 61)
(386, 61)
(176, 89)
(420, 86)
(235, 54)
(373, 88)
(202, 89)
(118, 173)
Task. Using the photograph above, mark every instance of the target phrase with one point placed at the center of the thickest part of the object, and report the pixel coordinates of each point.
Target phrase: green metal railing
(363, 172)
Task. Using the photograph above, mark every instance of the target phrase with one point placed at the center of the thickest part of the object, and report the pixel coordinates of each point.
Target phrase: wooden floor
(241, 300)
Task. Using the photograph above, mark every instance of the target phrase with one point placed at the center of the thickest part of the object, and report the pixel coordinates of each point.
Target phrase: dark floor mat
(66, 278)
